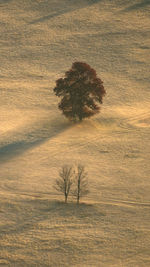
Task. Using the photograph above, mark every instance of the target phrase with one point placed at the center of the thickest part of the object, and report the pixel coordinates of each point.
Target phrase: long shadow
(62, 12)
(42, 19)
(16, 148)
(144, 3)
(5, 1)
(44, 209)
(82, 211)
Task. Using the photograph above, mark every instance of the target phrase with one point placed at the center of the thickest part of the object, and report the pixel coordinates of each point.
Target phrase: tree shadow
(80, 211)
(65, 11)
(38, 210)
(143, 4)
(33, 138)
(84, 211)
(5, 1)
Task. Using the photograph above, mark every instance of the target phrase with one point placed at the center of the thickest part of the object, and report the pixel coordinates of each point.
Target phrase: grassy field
(40, 39)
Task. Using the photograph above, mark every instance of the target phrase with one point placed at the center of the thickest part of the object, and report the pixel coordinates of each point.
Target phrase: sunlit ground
(40, 40)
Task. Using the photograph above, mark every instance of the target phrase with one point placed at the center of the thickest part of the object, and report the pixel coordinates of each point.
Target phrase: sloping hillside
(40, 39)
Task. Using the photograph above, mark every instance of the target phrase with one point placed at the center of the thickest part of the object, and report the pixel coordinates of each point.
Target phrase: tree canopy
(81, 92)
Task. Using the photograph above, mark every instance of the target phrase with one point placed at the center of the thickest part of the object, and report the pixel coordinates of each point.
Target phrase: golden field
(40, 39)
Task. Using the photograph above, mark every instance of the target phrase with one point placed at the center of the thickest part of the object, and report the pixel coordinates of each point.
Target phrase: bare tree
(81, 183)
(65, 180)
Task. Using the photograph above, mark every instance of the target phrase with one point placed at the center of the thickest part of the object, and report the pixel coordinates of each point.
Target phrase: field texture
(39, 41)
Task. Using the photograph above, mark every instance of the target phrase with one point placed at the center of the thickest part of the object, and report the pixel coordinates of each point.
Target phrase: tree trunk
(80, 117)
(66, 198)
(78, 192)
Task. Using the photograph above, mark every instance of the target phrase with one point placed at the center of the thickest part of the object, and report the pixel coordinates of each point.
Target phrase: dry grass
(39, 41)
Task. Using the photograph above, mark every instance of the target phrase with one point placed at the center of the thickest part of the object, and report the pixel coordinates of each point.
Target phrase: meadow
(40, 39)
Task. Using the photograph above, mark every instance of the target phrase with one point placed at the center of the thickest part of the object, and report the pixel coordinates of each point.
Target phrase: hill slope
(39, 41)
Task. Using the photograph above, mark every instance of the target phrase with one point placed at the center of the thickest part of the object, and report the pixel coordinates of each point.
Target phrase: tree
(65, 180)
(81, 92)
(81, 183)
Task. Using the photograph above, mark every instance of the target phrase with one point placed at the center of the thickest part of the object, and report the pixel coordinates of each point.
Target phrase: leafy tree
(65, 180)
(81, 92)
(81, 183)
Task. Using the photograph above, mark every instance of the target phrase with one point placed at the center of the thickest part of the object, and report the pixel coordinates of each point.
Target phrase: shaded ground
(39, 41)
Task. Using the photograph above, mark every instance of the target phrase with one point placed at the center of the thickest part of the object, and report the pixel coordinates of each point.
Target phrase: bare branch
(64, 182)
(81, 183)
